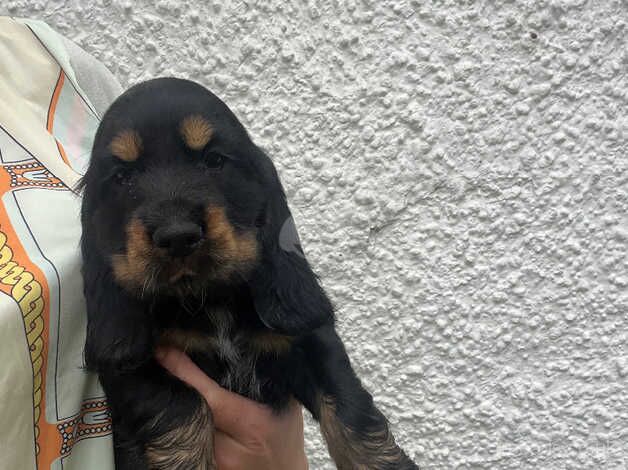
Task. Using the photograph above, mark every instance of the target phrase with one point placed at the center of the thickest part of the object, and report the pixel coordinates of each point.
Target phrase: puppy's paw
(186, 447)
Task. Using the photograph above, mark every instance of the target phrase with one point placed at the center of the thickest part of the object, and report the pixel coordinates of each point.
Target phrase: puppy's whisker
(148, 279)
(144, 286)
(203, 297)
(152, 284)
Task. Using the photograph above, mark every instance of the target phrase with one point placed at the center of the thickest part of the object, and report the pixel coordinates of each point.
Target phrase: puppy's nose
(179, 239)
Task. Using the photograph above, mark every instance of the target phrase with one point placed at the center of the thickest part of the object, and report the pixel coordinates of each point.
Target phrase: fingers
(228, 452)
(181, 366)
(294, 416)
(231, 412)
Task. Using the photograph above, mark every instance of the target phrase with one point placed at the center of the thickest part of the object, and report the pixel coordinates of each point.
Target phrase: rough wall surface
(459, 175)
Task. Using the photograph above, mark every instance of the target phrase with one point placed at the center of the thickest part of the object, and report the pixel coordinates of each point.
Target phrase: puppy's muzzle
(180, 239)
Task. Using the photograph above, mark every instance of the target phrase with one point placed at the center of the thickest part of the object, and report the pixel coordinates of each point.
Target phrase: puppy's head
(179, 201)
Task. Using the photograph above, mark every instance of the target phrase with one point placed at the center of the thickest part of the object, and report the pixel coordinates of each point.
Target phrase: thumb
(229, 410)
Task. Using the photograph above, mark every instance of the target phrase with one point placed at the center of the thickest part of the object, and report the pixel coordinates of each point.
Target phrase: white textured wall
(460, 177)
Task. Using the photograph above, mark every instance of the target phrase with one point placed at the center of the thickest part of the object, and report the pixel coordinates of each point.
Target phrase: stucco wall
(459, 175)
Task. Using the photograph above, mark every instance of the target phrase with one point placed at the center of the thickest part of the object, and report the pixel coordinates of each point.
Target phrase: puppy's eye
(214, 160)
(123, 175)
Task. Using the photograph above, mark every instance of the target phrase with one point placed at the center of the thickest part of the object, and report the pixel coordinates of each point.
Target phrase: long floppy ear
(287, 295)
(119, 336)
(118, 331)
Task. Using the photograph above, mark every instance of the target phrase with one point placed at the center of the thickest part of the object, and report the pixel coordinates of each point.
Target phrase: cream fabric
(53, 414)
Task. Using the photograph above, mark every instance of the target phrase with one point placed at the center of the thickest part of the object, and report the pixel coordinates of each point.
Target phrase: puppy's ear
(285, 290)
(119, 335)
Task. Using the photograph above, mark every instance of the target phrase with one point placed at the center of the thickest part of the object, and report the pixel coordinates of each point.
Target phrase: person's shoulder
(98, 83)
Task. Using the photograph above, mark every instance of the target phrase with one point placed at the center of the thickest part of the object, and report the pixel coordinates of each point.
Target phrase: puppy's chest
(245, 361)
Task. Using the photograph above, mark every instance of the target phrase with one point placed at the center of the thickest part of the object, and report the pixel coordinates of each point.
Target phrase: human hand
(248, 435)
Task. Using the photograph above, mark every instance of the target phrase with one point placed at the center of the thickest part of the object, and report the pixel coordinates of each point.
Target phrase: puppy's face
(178, 191)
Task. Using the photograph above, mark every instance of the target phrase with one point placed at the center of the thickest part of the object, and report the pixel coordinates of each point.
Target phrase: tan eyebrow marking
(126, 145)
(196, 131)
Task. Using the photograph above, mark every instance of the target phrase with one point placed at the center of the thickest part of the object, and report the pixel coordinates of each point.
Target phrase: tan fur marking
(270, 342)
(196, 132)
(187, 340)
(130, 269)
(350, 453)
(188, 447)
(126, 145)
(236, 251)
(224, 252)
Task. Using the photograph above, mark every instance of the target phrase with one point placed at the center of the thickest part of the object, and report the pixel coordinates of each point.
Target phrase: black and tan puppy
(188, 241)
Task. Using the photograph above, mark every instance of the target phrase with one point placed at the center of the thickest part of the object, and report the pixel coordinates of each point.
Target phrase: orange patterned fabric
(53, 414)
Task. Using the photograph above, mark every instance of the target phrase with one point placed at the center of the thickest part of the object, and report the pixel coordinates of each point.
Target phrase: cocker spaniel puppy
(188, 241)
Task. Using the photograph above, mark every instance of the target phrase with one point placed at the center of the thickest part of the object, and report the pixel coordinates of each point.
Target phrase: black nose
(179, 239)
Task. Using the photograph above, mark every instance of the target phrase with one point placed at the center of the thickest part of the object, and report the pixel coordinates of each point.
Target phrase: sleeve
(98, 83)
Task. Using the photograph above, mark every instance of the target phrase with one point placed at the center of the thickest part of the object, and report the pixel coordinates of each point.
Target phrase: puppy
(188, 241)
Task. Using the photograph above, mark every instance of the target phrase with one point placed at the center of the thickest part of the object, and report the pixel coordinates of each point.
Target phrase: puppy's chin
(185, 288)
(197, 277)
(194, 276)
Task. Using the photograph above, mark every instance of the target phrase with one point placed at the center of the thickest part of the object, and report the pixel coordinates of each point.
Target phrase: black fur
(172, 184)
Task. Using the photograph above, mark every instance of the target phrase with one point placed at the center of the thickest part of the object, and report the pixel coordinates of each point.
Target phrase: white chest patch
(227, 346)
